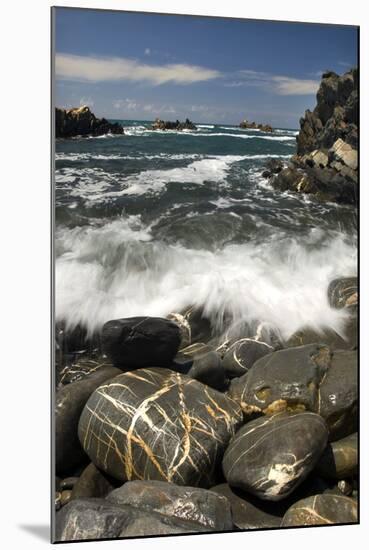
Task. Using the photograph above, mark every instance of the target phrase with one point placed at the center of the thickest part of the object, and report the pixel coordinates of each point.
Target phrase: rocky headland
(254, 126)
(80, 121)
(326, 161)
(177, 125)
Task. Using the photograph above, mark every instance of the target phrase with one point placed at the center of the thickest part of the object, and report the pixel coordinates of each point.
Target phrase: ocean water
(152, 222)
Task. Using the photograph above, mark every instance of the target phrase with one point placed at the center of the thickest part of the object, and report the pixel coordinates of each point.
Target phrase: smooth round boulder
(241, 356)
(137, 342)
(92, 483)
(185, 503)
(69, 403)
(286, 379)
(158, 424)
(194, 326)
(338, 395)
(270, 456)
(82, 367)
(340, 459)
(209, 370)
(326, 509)
(343, 292)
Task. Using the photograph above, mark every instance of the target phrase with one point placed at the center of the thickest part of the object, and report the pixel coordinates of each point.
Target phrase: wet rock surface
(92, 483)
(138, 342)
(343, 292)
(186, 503)
(321, 510)
(338, 395)
(270, 456)
(177, 125)
(69, 403)
(288, 378)
(158, 424)
(241, 356)
(340, 458)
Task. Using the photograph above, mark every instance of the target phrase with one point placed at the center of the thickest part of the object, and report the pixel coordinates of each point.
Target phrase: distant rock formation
(80, 121)
(177, 125)
(253, 126)
(326, 163)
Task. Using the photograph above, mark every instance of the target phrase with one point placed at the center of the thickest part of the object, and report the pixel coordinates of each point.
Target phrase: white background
(25, 267)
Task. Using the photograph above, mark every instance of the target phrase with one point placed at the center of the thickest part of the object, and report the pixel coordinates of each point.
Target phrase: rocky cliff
(82, 122)
(326, 163)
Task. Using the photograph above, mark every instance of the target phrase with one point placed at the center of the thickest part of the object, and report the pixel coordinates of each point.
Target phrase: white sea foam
(115, 270)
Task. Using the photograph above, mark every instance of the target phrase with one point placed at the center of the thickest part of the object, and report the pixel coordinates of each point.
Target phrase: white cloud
(280, 85)
(129, 104)
(96, 69)
(147, 51)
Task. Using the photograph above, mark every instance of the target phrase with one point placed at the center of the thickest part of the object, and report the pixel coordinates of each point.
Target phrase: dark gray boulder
(138, 342)
(249, 512)
(209, 370)
(270, 456)
(343, 292)
(340, 459)
(92, 483)
(185, 503)
(338, 395)
(241, 356)
(158, 424)
(69, 403)
(324, 509)
(288, 378)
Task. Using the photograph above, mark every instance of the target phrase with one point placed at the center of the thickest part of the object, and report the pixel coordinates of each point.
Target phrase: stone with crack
(243, 354)
(326, 509)
(187, 503)
(286, 379)
(158, 424)
(270, 456)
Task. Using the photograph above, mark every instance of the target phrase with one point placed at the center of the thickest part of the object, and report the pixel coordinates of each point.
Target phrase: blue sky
(140, 66)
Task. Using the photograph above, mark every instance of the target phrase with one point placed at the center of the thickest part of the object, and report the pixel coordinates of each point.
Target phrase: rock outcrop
(82, 122)
(326, 163)
(254, 126)
(177, 125)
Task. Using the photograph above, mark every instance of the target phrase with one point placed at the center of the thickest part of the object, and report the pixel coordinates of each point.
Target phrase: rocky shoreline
(177, 125)
(162, 427)
(326, 162)
(82, 122)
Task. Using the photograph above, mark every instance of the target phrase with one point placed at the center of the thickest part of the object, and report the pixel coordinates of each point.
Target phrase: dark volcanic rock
(93, 518)
(249, 512)
(177, 125)
(274, 166)
(270, 457)
(209, 370)
(82, 122)
(193, 325)
(69, 403)
(158, 424)
(254, 126)
(185, 503)
(339, 394)
(340, 459)
(242, 355)
(92, 483)
(321, 510)
(138, 342)
(287, 378)
(343, 292)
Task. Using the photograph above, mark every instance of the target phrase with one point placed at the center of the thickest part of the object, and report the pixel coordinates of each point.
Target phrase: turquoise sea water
(150, 222)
